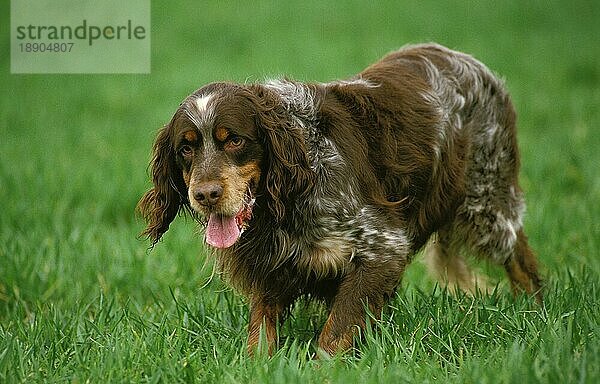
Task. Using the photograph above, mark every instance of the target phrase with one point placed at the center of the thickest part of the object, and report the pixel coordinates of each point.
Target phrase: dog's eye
(186, 151)
(234, 142)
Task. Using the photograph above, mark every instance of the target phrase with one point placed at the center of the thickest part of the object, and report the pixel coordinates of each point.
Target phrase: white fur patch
(298, 98)
(205, 111)
(202, 103)
(359, 81)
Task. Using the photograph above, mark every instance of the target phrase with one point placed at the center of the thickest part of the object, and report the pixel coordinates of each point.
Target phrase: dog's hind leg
(445, 263)
(492, 228)
(521, 268)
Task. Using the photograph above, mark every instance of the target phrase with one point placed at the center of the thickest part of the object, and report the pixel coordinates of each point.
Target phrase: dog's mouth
(222, 231)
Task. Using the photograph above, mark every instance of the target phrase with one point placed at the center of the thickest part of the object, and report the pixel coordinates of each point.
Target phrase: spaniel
(327, 190)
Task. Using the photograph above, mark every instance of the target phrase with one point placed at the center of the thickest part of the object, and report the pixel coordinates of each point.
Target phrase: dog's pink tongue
(222, 231)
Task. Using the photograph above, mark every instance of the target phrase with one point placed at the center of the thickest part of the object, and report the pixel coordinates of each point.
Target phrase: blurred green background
(74, 149)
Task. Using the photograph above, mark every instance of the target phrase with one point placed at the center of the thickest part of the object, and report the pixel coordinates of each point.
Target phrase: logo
(80, 36)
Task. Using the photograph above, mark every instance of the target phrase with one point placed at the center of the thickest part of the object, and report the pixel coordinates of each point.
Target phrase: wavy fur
(346, 181)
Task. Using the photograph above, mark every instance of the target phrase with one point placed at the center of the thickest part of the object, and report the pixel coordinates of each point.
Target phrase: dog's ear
(288, 175)
(160, 205)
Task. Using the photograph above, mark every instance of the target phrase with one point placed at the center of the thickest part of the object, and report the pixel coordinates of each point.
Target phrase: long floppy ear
(288, 174)
(160, 205)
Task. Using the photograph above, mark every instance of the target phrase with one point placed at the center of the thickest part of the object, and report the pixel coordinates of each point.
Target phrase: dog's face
(219, 156)
(207, 160)
(225, 145)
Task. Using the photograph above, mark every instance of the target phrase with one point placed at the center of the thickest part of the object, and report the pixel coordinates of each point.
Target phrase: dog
(328, 190)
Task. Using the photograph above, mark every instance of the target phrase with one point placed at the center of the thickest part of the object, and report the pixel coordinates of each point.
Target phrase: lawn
(82, 299)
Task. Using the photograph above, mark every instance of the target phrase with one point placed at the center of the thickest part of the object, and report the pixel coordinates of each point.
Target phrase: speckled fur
(356, 176)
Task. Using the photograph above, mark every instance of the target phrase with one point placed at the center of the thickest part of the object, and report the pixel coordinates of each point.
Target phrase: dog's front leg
(370, 284)
(262, 327)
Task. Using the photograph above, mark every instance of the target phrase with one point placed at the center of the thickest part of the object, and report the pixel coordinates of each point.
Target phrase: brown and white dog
(328, 190)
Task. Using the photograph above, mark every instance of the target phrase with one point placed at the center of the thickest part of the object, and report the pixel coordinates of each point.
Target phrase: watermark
(80, 36)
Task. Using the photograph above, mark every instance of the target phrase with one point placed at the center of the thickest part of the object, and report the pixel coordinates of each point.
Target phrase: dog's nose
(208, 194)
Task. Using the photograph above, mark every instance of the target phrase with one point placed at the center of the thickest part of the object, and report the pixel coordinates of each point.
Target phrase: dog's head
(225, 145)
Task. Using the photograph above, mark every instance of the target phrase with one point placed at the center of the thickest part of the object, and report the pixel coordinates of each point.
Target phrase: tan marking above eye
(191, 136)
(221, 133)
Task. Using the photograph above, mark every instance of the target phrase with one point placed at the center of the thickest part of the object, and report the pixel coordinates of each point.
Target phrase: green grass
(82, 300)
